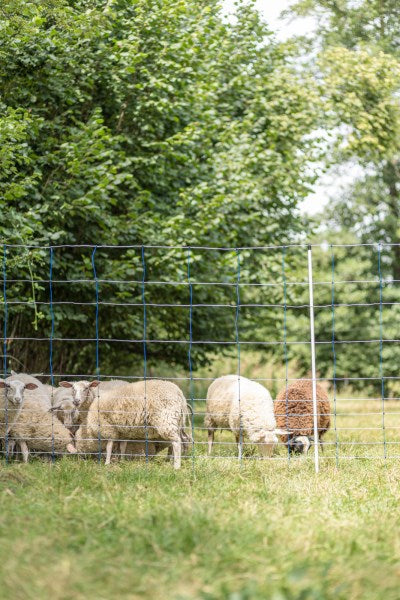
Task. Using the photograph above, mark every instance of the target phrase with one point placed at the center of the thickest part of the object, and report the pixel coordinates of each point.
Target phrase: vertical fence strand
(191, 391)
(285, 350)
(381, 348)
(51, 261)
(313, 369)
(145, 352)
(6, 440)
(334, 358)
(97, 350)
(237, 315)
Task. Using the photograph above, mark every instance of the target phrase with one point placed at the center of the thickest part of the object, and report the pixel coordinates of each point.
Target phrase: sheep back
(124, 412)
(218, 403)
(41, 430)
(294, 409)
(110, 384)
(238, 402)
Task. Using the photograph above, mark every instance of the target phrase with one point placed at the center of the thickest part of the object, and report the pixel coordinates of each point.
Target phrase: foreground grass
(77, 530)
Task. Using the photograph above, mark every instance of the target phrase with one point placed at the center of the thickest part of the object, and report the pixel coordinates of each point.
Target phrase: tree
(133, 123)
(356, 60)
(359, 63)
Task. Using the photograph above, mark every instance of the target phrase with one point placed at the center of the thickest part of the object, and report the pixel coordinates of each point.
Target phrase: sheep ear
(31, 386)
(94, 384)
(281, 432)
(14, 372)
(2, 383)
(65, 384)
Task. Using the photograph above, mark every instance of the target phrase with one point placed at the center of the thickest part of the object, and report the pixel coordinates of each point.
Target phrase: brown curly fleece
(294, 409)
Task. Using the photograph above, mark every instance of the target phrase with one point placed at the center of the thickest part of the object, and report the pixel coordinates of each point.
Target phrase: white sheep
(50, 390)
(84, 392)
(37, 429)
(12, 397)
(246, 408)
(65, 409)
(153, 410)
(40, 394)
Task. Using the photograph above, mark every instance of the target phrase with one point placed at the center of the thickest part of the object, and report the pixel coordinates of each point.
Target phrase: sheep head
(66, 411)
(299, 444)
(14, 390)
(80, 390)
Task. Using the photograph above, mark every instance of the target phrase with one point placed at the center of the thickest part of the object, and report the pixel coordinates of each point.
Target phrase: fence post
(5, 324)
(313, 370)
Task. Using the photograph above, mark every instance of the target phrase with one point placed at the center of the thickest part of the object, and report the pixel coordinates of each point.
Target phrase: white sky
(271, 10)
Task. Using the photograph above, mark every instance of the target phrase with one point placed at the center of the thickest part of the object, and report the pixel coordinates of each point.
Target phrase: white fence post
(313, 370)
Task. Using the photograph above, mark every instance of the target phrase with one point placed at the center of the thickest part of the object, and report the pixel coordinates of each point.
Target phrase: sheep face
(67, 412)
(14, 391)
(80, 390)
(267, 443)
(186, 442)
(299, 444)
(70, 414)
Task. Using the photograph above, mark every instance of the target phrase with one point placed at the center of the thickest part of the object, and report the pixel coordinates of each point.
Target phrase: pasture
(215, 529)
(190, 190)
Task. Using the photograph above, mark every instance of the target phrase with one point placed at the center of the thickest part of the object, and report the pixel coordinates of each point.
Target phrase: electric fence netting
(317, 326)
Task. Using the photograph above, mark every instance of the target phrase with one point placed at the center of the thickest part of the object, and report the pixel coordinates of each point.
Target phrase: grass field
(266, 529)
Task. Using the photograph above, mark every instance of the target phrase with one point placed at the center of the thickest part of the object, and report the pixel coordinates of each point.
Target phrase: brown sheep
(293, 409)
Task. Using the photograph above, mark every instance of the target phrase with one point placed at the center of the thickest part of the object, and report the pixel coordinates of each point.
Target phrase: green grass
(77, 530)
(269, 529)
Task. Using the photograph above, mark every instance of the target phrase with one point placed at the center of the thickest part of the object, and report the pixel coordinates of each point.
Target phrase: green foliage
(357, 61)
(142, 122)
(362, 86)
(357, 305)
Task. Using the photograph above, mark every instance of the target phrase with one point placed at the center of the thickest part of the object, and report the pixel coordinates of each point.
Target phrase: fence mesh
(190, 315)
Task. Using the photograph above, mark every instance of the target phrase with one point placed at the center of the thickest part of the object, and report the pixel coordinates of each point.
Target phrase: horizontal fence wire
(305, 245)
(204, 283)
(188, 315)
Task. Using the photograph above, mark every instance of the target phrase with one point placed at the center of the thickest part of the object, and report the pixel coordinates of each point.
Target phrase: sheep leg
(11, 447)
(210, 440)
(186, 442)
(24, 450)
(122, 449)
(176, 449)
(239, 443)
(109, 451)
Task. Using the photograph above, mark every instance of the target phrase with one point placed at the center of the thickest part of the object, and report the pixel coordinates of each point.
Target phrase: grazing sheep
(65, 408)
(153, 410)
(294, 411)
(243, 406)
(36, 429)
